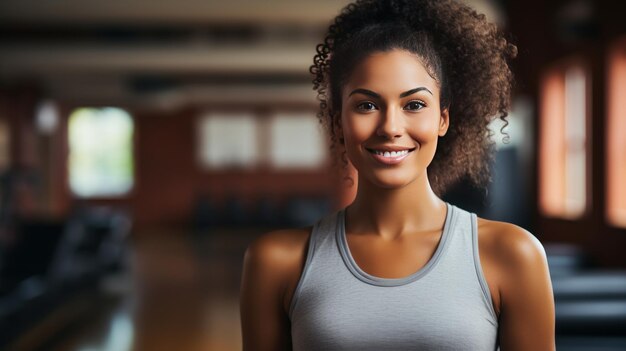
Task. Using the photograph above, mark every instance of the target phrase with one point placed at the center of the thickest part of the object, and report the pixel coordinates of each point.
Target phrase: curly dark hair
(465, 54)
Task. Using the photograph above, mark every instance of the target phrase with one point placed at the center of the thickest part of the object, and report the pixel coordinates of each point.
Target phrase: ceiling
(138, 52)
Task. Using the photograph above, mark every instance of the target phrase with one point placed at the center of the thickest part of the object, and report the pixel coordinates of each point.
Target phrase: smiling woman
(407, 90)
(459, 59)
(395, 119)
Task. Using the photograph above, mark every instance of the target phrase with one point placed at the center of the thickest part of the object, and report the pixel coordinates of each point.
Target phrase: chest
(365, 317)
(401, 258)
(404, 257)
(393, 259)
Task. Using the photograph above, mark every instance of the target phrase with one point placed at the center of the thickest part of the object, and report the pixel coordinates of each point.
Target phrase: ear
(444, 122)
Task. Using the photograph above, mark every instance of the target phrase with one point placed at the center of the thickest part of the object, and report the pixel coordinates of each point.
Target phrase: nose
(390, 125)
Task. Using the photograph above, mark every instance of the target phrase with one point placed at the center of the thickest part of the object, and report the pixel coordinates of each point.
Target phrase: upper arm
(264, 324)
(527, 320)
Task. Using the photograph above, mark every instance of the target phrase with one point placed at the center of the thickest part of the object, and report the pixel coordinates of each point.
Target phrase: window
(228, 140)
(564, 111)
(296, 141)
(615, 140)
(101, 152)
(246, 141)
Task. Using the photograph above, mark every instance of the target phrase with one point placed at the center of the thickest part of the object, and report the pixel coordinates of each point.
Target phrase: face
(390, 102)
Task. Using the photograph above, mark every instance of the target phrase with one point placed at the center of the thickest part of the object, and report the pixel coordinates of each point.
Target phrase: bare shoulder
(507, 252)
(269, 263)
(510, 244)
(277, 257)
(518, 268)
(278, 246)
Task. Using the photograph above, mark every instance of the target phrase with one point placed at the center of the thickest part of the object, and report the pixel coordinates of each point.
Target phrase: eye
(366, 106)
(416, 105)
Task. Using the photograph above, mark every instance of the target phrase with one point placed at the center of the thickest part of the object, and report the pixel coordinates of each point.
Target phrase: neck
(392, 213)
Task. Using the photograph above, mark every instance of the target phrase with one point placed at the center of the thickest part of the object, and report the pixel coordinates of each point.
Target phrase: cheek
(425, 132)
(358, 130)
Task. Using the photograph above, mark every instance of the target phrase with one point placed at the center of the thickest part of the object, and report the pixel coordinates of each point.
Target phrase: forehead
(390, 73)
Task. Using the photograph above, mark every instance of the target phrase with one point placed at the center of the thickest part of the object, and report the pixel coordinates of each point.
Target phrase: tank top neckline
(346, 255)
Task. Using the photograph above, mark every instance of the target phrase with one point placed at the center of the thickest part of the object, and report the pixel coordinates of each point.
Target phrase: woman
(406, 89)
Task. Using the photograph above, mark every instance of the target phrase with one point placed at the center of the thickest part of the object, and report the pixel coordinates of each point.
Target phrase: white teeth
(392, 153)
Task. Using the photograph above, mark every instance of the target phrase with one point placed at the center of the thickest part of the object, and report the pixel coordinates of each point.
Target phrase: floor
(179, 293)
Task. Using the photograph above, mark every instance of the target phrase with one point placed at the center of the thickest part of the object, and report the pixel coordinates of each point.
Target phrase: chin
(391, 181)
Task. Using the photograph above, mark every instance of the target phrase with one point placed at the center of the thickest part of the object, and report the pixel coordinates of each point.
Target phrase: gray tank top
(446, 305)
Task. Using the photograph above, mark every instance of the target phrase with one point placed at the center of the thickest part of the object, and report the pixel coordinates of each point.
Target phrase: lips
(386, 157)
(389, 149)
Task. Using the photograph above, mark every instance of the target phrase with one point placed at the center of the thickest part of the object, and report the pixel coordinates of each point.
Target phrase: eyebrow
(404, 94)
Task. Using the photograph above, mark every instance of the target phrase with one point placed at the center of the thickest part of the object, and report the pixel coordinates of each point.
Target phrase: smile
(390, 157)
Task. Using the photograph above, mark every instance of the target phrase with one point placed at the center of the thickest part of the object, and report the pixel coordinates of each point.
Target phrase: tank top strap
(318, 245)
(463, 258)
(478, 267)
